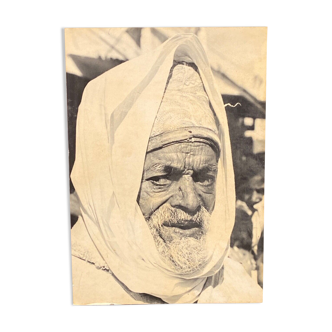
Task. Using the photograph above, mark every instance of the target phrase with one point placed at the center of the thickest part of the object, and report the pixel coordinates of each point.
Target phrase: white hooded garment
(114, 124)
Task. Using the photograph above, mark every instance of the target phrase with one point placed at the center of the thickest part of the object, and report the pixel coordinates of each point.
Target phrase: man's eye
(205, 180)
(160, 180)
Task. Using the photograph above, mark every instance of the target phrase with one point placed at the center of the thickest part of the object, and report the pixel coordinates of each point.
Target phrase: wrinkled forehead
(182, 156)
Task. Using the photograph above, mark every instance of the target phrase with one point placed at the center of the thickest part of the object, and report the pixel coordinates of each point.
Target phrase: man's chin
(180, 238)
(184, 254)
(187, 254)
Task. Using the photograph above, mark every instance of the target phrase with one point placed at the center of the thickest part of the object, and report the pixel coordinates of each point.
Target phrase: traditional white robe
(94, 283)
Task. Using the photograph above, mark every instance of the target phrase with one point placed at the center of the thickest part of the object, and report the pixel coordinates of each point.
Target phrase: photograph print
(166, 137)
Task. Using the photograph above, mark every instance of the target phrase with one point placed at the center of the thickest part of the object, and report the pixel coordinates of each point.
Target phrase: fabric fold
(115, 120)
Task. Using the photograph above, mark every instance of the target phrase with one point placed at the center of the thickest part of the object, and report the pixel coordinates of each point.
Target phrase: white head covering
(185, 113)
(114, 125)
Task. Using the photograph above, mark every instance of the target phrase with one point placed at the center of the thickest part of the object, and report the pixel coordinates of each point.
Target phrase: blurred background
(238, 61)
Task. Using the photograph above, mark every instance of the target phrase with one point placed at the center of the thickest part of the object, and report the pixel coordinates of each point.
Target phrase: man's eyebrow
(160, 168)
(168, 169)
(211, 168)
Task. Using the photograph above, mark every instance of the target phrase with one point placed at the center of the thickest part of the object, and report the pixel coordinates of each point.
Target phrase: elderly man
(154, 177)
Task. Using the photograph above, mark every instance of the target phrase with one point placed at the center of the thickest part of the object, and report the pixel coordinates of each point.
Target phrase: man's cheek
(150, 201)
(208, 200)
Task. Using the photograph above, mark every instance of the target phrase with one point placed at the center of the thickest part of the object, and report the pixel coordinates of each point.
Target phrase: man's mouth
(184, 228)
(183, 224)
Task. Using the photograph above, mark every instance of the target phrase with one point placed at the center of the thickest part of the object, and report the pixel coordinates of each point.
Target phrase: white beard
(184, 254)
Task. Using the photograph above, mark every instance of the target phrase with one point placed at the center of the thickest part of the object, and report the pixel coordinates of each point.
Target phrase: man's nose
(186, 197)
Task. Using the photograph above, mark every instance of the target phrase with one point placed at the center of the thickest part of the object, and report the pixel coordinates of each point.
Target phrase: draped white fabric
(114, 123)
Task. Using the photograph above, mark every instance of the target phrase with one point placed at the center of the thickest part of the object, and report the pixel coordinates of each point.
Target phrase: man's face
(254, 191)
(177, 196)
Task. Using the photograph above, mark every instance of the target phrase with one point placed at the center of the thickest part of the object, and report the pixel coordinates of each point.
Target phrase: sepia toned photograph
(166, 141)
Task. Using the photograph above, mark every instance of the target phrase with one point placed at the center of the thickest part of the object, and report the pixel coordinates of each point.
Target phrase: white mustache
(167, 215)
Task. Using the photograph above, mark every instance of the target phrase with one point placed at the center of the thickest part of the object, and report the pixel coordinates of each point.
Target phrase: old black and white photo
(154, 196)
